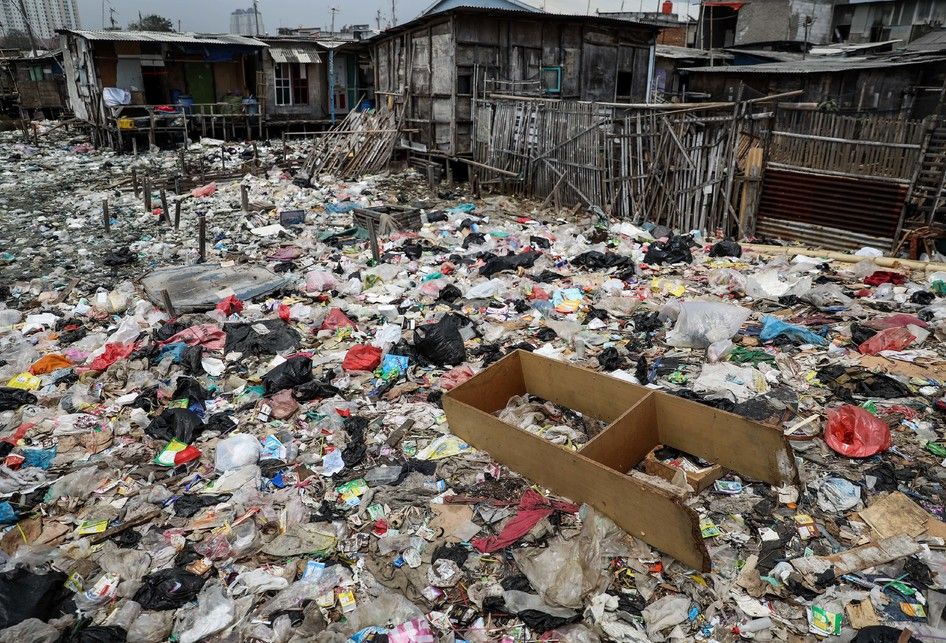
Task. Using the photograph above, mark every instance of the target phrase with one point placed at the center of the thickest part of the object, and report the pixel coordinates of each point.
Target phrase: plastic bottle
(382, 475)
(755, 625)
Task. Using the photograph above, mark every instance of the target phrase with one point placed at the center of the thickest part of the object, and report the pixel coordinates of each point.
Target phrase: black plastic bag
(188, 506)
(95, 634)
(922, 297)
(611, 360)
(176, 424)
(540, 242)
(24, 595)
(594, 260)
(880, 634)
(220, 422)
(545, 334)
(509, 262)
(441, 343)
(169, 330)
(191, 360)
(13, 398)
(295, 371)
(473, 238)
(675, 250)
(168, 589)
(726, 248)
(860, 334)
(120, 257)
(190, 389)
(449, 294)
(412, 250)
(314, 390)
(541, 622)
(279, 338)
(357, 448)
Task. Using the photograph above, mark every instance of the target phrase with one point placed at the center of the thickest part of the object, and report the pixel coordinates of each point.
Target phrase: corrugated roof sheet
(440, 6)
(528, 15)
(817, 66)
(295, 54)
(933, 41)
(164, 36)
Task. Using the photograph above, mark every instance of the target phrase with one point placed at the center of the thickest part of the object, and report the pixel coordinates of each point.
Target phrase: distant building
(725, 23)
(247, 22)
(43, 17)
(860, 21)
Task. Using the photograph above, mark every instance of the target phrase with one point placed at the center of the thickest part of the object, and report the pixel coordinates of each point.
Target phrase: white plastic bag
(237, 451)
(701, 323)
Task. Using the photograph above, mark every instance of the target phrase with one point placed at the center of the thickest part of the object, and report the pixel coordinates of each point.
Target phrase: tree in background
(153, 22)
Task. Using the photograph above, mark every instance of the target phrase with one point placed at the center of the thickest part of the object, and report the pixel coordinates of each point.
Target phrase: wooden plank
(749, 448)
(625, 443)
(655, 514)
(491, 389)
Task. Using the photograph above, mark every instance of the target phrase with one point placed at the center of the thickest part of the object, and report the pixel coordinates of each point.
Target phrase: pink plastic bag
(855, 433)
(892, 339)
(205, 190)
(897, 320)
(455, 377)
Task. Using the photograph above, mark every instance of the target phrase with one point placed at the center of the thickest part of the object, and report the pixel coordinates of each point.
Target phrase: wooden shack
(883, 84)
(124, 82)
(40, 83)
(434, 67)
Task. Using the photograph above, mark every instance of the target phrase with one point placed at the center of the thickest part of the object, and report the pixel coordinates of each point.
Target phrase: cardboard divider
(629, 502)
(628, 440)
(601, 472)
(752, 450)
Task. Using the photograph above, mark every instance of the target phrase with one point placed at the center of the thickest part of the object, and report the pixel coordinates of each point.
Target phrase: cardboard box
(638, 420)
(699, 480)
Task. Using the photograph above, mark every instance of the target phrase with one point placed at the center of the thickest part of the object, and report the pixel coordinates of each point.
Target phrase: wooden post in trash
(177, 215)
(255, 155)
(165, 215)
(183, 162)
(134, 181)
(430, 175)
(202, 235)
(106, 217)
(147, 187)
(245, 197)
(373, 238)
(285, 148)
(177, 185)
(168, 306)
(134, 146)
(223, 159)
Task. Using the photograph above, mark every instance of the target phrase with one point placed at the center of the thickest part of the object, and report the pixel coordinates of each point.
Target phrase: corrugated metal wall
(829, 211)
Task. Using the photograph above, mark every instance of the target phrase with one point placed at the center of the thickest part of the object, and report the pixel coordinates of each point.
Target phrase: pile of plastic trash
(272, 462)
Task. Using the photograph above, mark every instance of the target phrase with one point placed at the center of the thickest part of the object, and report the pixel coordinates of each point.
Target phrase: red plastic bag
(230, 305)
(855, 433)
(892, 339)
(113, 353)
(362, 357)
(336, 319)
(897, 320)
(885, 277)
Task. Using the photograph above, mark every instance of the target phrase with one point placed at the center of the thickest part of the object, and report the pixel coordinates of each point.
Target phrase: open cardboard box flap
(598, 473)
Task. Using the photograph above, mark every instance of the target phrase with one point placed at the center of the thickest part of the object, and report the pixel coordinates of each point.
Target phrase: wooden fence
(873, 145)
(679, 167)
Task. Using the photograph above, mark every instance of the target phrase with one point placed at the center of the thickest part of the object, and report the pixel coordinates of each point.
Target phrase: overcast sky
(214, 15)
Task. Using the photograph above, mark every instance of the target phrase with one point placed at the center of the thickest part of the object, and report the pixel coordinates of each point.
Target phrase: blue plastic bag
(774, 327)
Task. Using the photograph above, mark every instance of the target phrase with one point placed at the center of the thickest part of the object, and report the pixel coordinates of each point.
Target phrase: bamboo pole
(883, 262)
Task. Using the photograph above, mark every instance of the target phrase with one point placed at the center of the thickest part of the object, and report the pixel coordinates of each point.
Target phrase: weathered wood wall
(440, 66)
